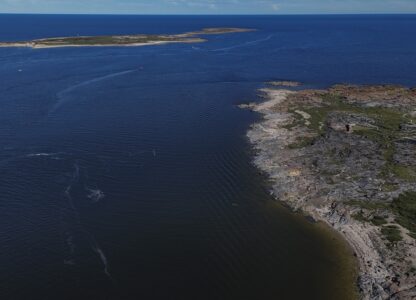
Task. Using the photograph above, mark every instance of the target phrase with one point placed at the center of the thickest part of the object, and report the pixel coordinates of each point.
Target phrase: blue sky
(208, 6)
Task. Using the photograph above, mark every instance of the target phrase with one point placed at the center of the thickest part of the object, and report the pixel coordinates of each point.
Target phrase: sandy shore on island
(153, 43)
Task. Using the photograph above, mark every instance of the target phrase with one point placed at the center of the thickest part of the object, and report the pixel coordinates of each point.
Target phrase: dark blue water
(126, 174)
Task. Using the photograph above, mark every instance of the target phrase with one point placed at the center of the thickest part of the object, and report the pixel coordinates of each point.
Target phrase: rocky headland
(346, 156)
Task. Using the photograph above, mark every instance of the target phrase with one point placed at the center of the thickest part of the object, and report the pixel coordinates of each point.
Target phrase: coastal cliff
(347, 156)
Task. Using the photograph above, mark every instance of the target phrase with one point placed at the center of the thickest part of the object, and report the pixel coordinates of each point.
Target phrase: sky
(207, 6)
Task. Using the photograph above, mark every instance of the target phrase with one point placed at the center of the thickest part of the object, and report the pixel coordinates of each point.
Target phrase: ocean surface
(126, 173)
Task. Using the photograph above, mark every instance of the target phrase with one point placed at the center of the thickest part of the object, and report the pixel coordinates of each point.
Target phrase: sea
(126, 173)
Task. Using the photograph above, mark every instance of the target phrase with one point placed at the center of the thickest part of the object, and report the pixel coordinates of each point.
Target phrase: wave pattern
(136, 182)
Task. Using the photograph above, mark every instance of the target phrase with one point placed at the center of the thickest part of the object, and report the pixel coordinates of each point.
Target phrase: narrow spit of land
(347, 156)
(123, 40)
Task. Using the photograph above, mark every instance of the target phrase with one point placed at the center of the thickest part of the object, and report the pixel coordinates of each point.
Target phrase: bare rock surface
(285, 83)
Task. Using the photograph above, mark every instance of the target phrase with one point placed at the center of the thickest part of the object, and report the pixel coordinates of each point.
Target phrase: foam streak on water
(246, 44)
(95, 195)
(63, 98)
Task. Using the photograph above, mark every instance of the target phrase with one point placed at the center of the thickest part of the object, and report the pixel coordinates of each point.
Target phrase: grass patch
(386, 119)
(367, 204)
(292, 125)
(378, 220)
(360, 217)
(391, 233)
(388, 187)
(385, 130)
(298, 120)
(318, 117)
(388, 131)
(405, 209)
(403, 172)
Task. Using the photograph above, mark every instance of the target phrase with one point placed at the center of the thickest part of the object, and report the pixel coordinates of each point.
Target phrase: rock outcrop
(347, 156)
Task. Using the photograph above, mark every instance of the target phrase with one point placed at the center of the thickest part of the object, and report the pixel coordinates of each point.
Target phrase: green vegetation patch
(403, 172)
(318, 117)
(360, 217)
(388, 123)
(385, 132)
(298, 120)
(392, 234)
(386, 119)
(388, 187)
(405, 209)
(378, 220)
(368, 205)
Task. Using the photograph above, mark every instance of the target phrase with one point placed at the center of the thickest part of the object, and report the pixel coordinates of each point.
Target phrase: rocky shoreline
(347, 156)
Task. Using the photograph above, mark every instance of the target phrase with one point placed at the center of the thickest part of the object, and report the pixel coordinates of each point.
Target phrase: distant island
(346, 156)
(123, 40)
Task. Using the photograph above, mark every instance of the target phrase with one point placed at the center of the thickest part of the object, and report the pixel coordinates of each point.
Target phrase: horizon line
(167, 14)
